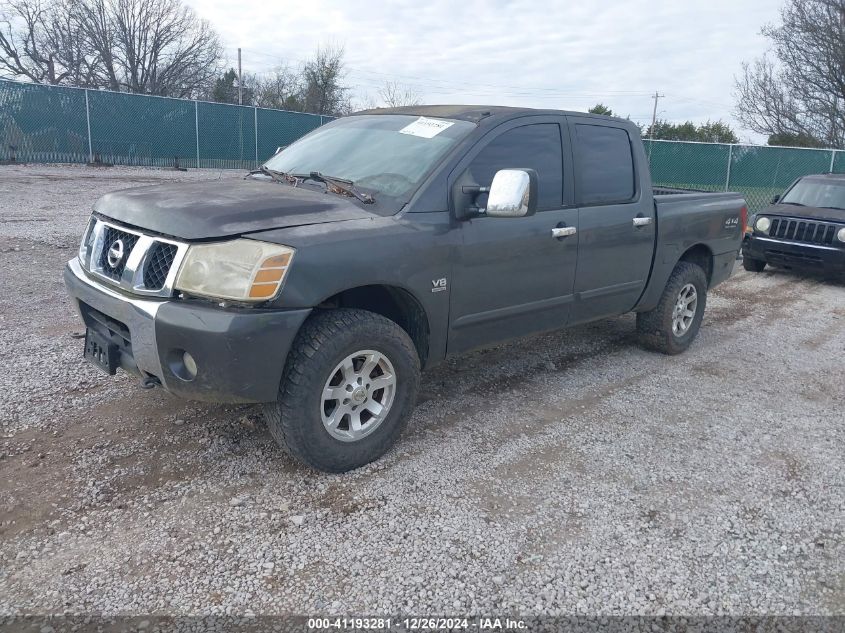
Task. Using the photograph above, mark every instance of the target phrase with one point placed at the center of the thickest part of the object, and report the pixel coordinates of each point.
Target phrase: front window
(387, 154)
(808, 192)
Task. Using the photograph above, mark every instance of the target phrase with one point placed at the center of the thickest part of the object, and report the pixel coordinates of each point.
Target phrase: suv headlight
(763, 224)
(749, 224)
(240, 270)
(840, 235)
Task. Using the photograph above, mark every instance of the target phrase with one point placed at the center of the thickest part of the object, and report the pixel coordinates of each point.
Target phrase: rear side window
(604, 164)
(534, 147)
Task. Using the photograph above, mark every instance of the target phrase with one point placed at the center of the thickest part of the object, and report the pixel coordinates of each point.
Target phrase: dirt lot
(568, 473)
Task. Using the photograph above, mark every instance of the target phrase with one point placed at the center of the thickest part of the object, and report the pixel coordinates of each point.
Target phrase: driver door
(512, 276)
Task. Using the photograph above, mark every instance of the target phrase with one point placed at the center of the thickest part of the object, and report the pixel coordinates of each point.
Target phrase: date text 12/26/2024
(417, 624)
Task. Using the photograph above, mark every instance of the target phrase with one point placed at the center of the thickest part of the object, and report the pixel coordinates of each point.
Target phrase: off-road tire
(326, 338)
(753, 265)
(655, 326)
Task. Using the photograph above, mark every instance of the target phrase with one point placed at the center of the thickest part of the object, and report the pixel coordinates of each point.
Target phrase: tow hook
(150, 382)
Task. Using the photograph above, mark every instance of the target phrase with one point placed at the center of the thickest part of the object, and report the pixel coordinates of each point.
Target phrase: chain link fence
(757, 171)
(52, 124)
(55, 124)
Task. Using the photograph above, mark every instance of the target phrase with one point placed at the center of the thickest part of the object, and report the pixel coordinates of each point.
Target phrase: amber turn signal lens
(277, 261)
(269, 276)
(263, 291)
(265, 275)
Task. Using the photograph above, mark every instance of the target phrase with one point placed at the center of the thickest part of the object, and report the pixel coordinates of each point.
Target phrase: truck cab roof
(478, 113)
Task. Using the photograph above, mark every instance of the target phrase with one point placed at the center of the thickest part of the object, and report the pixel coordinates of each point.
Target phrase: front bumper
(239, 353)
(825, 259)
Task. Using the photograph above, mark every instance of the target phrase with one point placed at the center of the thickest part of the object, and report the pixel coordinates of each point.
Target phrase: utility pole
(241, 82)
(655, 96)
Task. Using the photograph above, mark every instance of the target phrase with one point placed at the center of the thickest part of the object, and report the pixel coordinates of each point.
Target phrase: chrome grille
(807, 231)
(111, 236)
(147, 264)
(159, 261)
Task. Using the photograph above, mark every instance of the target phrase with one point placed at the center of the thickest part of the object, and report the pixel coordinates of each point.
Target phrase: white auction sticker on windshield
(425, 127)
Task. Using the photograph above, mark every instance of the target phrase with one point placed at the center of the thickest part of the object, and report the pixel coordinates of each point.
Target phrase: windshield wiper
(278, 176)
(794, 204)
(341, 184)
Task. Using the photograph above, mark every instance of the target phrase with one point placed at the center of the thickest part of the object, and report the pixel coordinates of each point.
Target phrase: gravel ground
(571, 473)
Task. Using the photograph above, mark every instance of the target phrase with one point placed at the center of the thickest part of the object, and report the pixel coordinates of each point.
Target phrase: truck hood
(811, 213)
(221, 208)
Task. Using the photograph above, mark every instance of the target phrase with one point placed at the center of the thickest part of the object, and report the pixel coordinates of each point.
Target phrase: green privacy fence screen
(55, 124)
(70, 125)
(757, 171)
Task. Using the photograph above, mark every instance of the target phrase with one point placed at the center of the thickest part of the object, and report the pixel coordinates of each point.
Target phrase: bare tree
(152, 46)
(323, 89)
(23, 29)
(281, 89)
(148, 46)
(366, 101)
(74, 60)
(395, 95)
(800, 94)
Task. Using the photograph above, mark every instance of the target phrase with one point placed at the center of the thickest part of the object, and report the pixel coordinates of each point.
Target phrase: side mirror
(513, 194)
(775, 199)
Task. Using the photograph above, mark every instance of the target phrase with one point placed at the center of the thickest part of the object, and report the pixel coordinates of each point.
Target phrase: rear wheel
(673, 325)
(753, 265)
(349, 385)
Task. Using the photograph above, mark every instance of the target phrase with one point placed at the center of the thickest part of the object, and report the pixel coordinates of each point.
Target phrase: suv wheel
(673, 325)
(348, 388)
(753, 265)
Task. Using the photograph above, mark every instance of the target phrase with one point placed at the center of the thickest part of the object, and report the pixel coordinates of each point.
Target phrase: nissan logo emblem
(115, 254)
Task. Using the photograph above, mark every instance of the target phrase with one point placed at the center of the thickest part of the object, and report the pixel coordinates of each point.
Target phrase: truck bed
(689, 218)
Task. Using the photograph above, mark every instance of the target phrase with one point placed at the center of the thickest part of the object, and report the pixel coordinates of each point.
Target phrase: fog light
(182, 364)
(190, 364)
(763, 225)
(841, 235)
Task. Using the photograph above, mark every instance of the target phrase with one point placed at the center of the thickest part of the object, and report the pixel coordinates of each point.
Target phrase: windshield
(389, 154)
(815, 193)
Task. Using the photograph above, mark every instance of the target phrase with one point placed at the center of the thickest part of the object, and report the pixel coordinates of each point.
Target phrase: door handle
(638, 221)
(564, 231)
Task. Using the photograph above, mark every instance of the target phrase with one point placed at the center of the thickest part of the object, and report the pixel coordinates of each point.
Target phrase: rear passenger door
(513, 276)
(616, 224)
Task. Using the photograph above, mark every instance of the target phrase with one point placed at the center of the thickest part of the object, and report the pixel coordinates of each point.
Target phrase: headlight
(749, 225)
(840, 235)
(87, 243)
(240, 270)
(762, 225)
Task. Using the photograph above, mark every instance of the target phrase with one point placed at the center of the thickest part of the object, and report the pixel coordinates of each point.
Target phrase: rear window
(605, 165)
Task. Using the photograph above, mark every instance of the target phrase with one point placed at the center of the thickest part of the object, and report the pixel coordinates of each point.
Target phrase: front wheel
(348, 388)
(673, 325)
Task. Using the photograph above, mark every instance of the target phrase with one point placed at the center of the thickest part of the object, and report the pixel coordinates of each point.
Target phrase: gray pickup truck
(382, 243)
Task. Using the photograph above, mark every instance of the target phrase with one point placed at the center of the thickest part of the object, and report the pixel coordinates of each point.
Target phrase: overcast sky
(567, 55)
